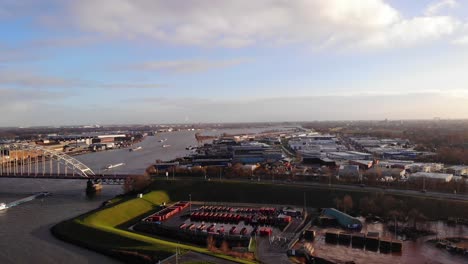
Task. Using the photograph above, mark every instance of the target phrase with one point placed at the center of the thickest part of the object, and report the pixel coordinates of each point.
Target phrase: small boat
(3, 206)
(135, 149)
(111, 166)
(166, 146)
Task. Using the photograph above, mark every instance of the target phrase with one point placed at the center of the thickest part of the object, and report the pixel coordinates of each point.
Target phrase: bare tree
(347, 203)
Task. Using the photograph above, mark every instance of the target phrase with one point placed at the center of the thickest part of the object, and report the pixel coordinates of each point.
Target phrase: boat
(135, 149)
(166, 146)
(93, 186)
(111, 166)
(24, 200)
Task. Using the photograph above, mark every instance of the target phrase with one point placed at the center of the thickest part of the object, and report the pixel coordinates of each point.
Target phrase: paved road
(437, 195)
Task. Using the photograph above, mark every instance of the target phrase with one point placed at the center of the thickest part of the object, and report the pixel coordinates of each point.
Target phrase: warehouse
(439, 177)
(344, 220)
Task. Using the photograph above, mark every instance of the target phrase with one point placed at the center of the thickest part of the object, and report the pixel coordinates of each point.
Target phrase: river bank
(105, 230)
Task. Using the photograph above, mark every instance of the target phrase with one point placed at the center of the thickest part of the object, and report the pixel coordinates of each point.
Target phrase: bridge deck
(69, 176)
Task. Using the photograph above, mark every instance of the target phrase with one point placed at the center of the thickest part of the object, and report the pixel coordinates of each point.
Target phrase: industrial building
(439, 177)
(316, 145)
(349, 172)
(424, 167)
(343, 220)
(457, 170)
(227, 150)
(349, 155)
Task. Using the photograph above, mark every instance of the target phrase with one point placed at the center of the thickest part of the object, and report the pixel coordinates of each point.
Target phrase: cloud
(414, 31)
(10, 96)
(27, 79)
(132, 86)
(234, 24)
(75, 41)
(436, 7)
(461, 41)
(33, 80)
(187, 66)
(43, 111)
(421, 105)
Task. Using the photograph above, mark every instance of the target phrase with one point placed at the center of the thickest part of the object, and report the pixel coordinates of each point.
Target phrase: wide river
(25, 229)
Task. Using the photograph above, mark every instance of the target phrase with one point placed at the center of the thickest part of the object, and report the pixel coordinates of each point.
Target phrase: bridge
(21, 160)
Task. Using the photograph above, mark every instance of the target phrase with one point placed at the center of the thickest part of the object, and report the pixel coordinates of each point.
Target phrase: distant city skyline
(187, 61)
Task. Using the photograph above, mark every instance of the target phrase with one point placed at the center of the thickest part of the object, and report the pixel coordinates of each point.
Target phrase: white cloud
(188, 66)
(132, 86)
(26, 79)
(317, 23)
(436, 7)
(420, 105)
(34, 80)
(414, 31)
(461, 41)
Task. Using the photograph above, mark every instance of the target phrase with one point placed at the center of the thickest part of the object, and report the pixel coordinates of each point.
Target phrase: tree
(415, 216)
(338, 203)
(136, 183)
(347, 203)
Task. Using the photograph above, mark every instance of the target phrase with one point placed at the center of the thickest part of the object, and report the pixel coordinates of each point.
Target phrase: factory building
(349, 155)
(457, 170)
(344, 220)
(437, 177)
(350, 172)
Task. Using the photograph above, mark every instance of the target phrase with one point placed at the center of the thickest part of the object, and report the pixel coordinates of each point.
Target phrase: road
(342, 187)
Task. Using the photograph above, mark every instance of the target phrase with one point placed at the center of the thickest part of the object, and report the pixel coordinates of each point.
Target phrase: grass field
(98, 230)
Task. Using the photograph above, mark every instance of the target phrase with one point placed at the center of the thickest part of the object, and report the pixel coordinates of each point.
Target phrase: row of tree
(384, 206)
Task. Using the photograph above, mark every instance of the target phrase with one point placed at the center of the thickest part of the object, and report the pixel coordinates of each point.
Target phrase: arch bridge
(23, 160)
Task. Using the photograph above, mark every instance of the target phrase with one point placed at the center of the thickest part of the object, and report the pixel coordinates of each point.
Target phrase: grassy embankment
(317, 197)
(99, 231)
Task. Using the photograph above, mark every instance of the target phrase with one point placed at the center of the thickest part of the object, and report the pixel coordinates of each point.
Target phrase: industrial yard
(229, 227)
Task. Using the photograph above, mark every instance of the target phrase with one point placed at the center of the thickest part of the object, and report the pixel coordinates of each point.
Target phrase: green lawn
(99, 230)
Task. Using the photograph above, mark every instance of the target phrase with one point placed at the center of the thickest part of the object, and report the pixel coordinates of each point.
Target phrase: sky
(65, 62)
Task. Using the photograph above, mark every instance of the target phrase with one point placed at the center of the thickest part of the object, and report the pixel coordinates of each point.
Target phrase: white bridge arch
(36, 160)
